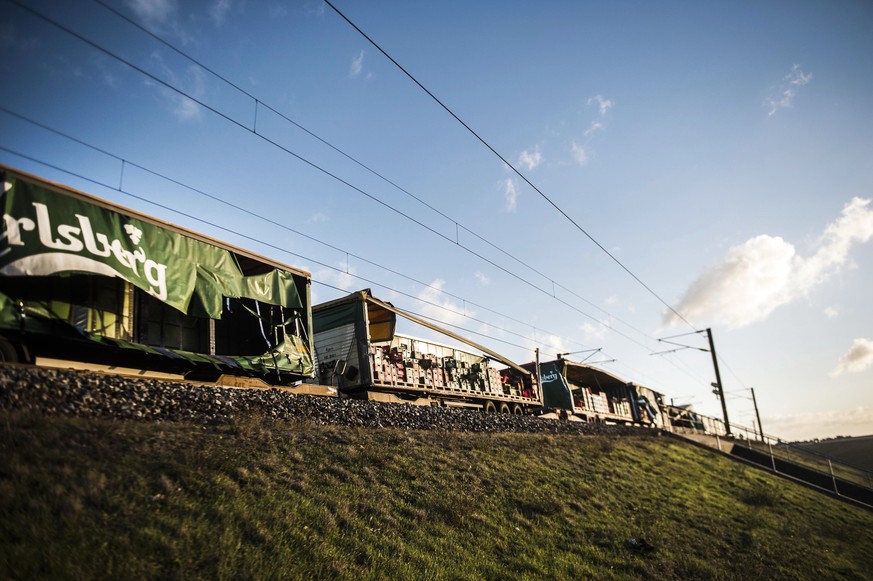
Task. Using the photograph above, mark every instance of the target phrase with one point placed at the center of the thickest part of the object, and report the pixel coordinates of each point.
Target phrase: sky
(663, 168)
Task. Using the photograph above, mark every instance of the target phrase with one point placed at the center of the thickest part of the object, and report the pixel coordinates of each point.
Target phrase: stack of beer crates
(388, 365)
(599, 402)
(495, 381)
(621, 407)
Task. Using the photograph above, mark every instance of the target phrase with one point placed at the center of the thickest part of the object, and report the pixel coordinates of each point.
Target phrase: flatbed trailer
(358, 352)
(83, 279)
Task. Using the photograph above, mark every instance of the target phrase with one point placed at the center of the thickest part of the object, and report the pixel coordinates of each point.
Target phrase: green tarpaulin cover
(556, 392)
(46, 233)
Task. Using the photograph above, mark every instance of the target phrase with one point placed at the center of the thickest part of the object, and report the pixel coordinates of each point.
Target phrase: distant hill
(855, 451)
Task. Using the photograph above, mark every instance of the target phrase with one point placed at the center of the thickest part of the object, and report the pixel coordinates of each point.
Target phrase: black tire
(504, 408)
(517, 410)
(489, 408)
(8, 352)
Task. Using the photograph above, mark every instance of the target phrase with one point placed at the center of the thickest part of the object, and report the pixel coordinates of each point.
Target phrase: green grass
(85, 499)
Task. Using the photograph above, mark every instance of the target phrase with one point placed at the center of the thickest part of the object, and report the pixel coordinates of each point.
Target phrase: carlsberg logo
(81, 239)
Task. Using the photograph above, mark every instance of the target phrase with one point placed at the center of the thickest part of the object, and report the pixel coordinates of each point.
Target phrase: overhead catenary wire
(261, 103)
(508, 164)
(120, 189)
(125, 162)
(732, 372)
(280, 249)
(437, 320)
(313, 165)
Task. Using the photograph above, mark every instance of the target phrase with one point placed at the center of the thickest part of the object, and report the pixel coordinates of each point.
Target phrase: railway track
(96, 394)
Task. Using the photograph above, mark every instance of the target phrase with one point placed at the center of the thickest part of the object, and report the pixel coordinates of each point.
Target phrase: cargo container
(359, 352)
(83, 279)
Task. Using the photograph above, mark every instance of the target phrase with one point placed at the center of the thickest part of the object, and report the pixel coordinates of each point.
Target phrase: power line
(125, 162)
(732, 372)
(258, 102)
(254, 131)
(445, 323)
(510, 165)
(314, 165)
(121, 190)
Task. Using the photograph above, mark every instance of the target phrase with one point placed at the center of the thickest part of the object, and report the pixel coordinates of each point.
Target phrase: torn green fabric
(48, 233)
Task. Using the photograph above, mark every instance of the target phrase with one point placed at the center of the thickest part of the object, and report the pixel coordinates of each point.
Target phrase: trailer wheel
(489, 408)
(517, 410)
(504, 408)
(8, 353)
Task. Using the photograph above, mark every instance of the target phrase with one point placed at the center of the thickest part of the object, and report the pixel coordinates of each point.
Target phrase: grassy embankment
(84, 499)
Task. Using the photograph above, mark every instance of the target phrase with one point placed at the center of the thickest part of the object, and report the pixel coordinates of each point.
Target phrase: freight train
(85, 280)
(360, 354)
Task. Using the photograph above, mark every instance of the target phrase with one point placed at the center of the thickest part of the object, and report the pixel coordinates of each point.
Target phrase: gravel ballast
(105, 396)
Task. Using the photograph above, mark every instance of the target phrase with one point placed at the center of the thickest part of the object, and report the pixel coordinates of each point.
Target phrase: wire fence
(794, 460)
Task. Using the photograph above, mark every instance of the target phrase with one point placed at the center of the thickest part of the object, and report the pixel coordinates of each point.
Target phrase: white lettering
(88, 236)
(76, 239)
(12, 229)
(45, 232)
(126, 257)
(156, 274)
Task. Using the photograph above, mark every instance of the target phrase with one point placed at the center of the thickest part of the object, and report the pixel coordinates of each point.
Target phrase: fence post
(834, 478)
(772, 458)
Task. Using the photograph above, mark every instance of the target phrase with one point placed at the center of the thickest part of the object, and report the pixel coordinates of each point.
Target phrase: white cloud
(831, 312)
(106, 70)
(822, 424)
(437, 305)
(766, 272)
(549, 345)
(530, 160)
(603, 105)
(510, 195)
(192, 82)
(610, 301)
(185, 109)
(153, 11)
(219, 11)
(592, 333)
(343, 278)
(580, 156)
(318, 218)
(357, 65)
(595, 126)
(482, 279)
(858, 358)
(798, 77)
(788, 91)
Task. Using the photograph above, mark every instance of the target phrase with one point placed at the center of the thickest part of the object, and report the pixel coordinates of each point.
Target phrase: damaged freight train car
(590, 394)
(82, 279)
(359, 353)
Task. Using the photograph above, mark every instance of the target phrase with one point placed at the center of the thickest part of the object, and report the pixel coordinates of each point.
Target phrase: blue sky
(721, 151)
